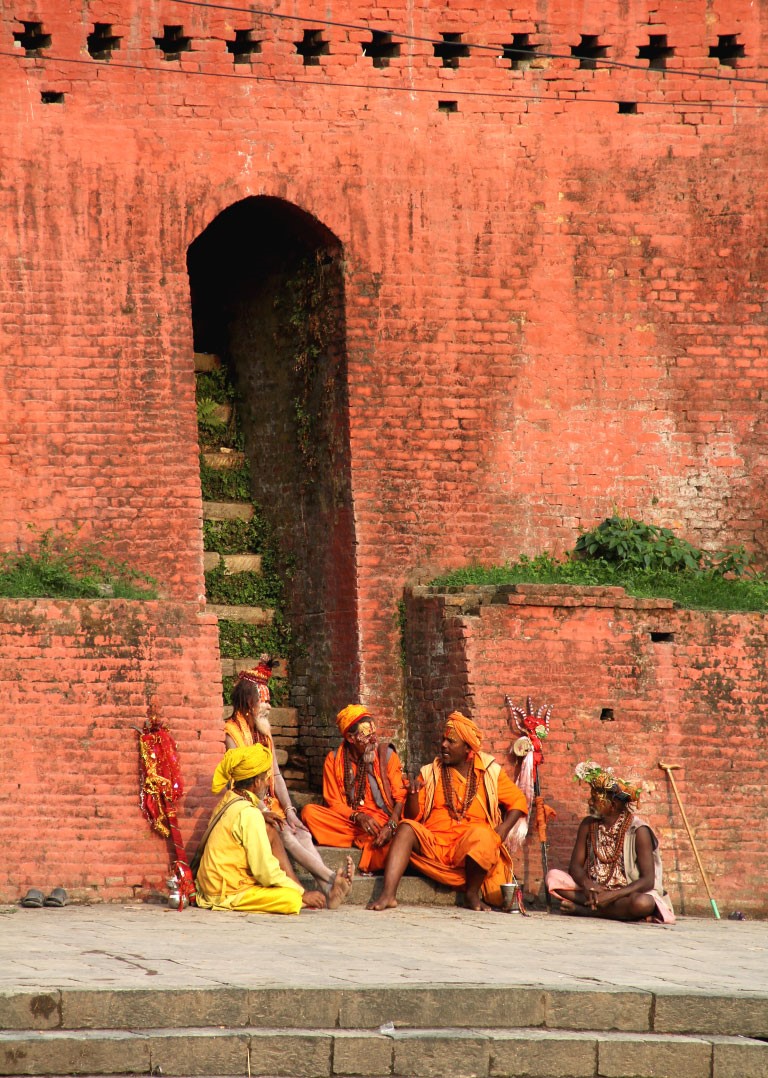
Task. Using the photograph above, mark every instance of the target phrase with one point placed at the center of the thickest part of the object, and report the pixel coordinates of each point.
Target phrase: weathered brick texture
(631, 683)
(551, 307)
(75, 679)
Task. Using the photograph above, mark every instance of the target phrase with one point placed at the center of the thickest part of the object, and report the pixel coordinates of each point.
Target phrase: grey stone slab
(542, 1054)
(192, 1052)
(739, 1014)
(368, 1054)
(597, 1009)
(295, 1008)
(30, 1010)
(292, 1054)
(622, 1055)
(442, 1007)
(85, 1052)
(433, 1054)
(739, 1057)
(149, 1009)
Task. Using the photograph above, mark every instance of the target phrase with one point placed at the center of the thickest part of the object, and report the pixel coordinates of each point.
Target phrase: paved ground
(132, 946)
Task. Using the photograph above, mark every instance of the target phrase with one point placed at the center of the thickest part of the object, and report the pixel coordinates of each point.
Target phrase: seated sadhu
(363, 789)
(249, 725)
(459, 811)
(615, 868)
(238, 869)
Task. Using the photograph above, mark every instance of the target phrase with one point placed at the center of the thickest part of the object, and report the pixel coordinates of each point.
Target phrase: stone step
(232, 667)
(227, 511)
(224, 459)
(233, 563)
(248, 615)
(206, 361)
(480, 1052)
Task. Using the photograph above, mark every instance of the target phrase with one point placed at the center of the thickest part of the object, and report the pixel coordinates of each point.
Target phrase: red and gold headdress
(260, 676)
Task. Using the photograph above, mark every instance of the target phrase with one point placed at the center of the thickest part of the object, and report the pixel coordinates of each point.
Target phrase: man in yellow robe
(455, 828)
(238, 870)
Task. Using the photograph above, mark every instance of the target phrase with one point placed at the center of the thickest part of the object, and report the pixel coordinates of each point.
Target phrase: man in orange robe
(363, 789)
(455, 831)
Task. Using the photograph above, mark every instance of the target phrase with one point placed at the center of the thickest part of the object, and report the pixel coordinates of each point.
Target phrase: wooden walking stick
(669, 768)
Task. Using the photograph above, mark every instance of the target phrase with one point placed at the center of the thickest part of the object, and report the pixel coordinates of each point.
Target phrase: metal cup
(508, 891)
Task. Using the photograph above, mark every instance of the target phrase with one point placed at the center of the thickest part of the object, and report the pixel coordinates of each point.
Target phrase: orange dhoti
(331, 825)
(445, 843)
(330, 828)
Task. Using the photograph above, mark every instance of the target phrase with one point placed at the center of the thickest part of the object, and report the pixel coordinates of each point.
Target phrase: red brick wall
(75, 678)
(697, 696)
(551, 308)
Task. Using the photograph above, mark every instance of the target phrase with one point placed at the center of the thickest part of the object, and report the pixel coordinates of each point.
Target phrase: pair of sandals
(34, 899)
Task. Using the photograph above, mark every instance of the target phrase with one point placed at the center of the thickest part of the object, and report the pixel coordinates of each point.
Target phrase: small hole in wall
(628, 108)
(606, 715)
(51, 97)
(448, 106)
(662, 638)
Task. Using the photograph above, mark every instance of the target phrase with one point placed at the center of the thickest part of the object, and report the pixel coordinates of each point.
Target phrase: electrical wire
(533, 53)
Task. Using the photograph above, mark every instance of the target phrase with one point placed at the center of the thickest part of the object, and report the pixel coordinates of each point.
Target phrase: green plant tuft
(646, 561)
(62, 566)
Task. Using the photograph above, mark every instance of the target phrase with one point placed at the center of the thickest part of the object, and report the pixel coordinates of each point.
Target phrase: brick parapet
(631, 684)
(76, 678)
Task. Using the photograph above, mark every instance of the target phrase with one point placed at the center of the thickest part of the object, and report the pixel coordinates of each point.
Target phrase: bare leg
(278, 849)
(631, 908)
(400, 850)
(475, 875)
(304, 852)
(342, 884)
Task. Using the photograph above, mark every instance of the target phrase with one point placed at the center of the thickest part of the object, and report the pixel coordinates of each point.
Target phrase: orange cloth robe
(242, 735)
(445, 843)
(330, 823)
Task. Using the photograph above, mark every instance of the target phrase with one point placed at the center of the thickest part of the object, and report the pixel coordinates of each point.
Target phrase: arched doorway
(267, 290)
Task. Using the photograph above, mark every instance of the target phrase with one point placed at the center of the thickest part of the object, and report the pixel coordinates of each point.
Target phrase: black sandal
(33, 899)
(57, 897)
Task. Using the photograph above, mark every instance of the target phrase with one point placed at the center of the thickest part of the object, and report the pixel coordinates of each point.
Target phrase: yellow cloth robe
(238, 870)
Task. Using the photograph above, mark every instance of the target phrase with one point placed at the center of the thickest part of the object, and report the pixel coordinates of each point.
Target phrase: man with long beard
(363, 790)
(615, 868)
(249, 725)
(460, 810)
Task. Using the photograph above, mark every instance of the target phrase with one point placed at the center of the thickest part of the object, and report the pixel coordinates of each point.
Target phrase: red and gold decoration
(531, 727)
(161, 787)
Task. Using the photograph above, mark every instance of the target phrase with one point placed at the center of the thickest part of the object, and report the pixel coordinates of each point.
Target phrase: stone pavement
(144, 946)
(416, 992)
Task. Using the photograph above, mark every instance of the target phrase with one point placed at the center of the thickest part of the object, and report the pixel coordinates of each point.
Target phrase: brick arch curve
(267, 292)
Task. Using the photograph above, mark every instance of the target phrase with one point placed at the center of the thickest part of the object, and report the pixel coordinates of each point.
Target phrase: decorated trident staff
(161, 786)
(533, 728)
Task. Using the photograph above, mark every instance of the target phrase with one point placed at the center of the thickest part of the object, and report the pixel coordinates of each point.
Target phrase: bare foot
(573, 909)
(382, 903)
(342, 885)
(313, 900)
(473, 901)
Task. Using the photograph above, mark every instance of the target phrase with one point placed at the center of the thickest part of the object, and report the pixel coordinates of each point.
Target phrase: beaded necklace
(615, 833)
(458, 810)
(354, 781)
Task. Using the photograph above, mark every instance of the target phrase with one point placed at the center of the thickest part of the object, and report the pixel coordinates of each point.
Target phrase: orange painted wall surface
(553, 307)
(75, 678)
(684, 687)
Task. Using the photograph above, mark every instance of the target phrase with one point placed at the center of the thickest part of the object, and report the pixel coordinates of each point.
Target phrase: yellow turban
(349, 716)
(468, 731)
(240, 764)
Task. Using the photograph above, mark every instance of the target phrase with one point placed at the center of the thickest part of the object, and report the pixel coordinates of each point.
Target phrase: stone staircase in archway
(225, 460)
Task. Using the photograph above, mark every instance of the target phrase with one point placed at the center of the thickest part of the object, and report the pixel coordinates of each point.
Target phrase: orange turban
(468, 731)
(349, 716)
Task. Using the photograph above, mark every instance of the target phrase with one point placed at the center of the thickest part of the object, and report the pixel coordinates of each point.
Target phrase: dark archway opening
(267, 290)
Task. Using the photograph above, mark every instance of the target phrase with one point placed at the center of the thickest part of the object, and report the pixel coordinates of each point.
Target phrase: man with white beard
(249, 725)
(363, 789)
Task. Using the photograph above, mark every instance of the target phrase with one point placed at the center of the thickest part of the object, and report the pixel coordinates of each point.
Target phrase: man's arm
(578, 864)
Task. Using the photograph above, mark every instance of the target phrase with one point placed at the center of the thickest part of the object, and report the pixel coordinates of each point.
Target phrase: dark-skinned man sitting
(615, 867)
(459, 811)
